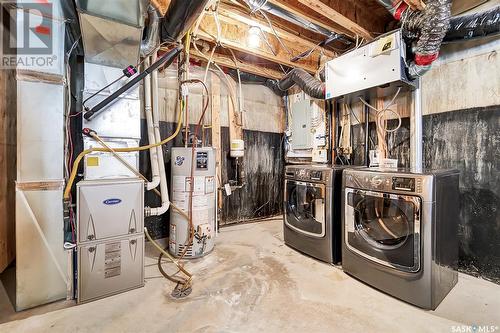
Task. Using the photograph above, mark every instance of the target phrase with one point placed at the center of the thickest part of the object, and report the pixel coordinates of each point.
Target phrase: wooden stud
(216, 135)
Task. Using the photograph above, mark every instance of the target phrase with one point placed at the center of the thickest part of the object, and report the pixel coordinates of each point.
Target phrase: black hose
(472, 26)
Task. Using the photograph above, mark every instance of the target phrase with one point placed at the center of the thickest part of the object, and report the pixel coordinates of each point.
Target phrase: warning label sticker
(112, 260)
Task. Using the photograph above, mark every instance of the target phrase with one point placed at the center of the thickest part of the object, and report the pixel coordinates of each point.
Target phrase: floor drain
(181, 291)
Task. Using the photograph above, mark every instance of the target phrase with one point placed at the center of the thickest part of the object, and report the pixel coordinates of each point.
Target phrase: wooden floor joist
(235, 29)
(327, 11)
(311, 19)
(247, 67)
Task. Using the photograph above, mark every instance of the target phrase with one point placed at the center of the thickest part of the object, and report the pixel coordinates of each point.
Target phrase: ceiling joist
(234, 34)
(335, 16)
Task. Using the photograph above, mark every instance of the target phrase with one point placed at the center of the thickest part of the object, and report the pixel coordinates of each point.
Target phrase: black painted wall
(262, 196)
(467, 140)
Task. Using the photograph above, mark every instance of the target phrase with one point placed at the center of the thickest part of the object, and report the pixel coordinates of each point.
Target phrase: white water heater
(202, 201)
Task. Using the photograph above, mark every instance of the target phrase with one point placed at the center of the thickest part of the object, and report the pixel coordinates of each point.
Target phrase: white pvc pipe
(153, 152)
(165, 200)
(416, 131)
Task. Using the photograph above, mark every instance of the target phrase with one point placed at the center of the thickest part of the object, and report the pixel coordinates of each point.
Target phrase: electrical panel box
(380, 63)
(301, 124)
(110, 267)
(109, 208)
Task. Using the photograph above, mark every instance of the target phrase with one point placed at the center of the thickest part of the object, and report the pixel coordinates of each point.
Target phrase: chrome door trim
(349, 222)
(323, 223)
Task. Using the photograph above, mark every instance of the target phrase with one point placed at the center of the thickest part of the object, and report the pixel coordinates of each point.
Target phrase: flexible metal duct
(308, 83)
(428, 27)
(472, 26)
(180, 17)
(152, 39)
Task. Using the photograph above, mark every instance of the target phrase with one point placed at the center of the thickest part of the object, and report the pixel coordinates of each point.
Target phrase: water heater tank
(202, 202)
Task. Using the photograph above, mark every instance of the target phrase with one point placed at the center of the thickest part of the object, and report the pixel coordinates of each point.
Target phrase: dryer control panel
(385, 183)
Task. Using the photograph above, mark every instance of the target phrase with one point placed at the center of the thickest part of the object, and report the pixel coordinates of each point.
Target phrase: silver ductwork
(112, 30)
(152, 39)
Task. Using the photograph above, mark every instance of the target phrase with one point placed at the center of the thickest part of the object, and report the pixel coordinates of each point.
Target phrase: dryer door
(384, 228)
(305, 207)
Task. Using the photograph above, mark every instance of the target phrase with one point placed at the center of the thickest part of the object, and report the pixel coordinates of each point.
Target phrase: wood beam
(327, 11)
(234, 34)
(311, 19)
(233, 13)
(227, 61)
(216, 132)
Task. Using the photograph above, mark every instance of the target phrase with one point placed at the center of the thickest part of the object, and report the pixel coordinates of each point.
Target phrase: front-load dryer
(400, 232)
(312, 210)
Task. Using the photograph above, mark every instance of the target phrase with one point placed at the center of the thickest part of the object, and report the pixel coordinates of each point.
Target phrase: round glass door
(305, 208)
(384, 228)
(382, 222)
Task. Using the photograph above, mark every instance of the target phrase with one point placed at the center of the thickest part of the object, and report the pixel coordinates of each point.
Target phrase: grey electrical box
(380, 63)
(110, 239)
(301, 125)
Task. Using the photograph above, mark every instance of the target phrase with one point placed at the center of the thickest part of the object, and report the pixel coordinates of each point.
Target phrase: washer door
(305, 207)
(384, 228)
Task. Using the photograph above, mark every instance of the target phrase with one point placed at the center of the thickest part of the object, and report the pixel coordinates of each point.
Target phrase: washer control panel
(308, 175)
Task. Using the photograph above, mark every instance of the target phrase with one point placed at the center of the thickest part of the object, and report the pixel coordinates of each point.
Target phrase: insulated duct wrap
(308, 83)
(180, 16)
(427, 27)
(152, 39)
(474, 26)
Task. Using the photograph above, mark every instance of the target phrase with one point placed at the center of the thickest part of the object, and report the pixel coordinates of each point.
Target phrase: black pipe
(180, 16)
(166, 59)
(472, 26)
(367, 136)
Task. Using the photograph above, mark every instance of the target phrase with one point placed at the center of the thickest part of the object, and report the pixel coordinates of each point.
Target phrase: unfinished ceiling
(228, 25)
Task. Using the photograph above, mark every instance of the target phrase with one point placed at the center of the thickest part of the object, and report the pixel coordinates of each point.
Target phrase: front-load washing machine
(400, 232)
(312, 210)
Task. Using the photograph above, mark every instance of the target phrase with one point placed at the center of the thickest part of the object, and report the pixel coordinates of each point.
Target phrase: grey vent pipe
(152, 39)
(180, 16)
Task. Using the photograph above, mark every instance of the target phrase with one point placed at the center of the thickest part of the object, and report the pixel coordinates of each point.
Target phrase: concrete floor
(252, 282)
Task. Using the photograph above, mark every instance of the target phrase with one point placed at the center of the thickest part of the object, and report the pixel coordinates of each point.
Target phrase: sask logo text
(112, 201)
(474, 329)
